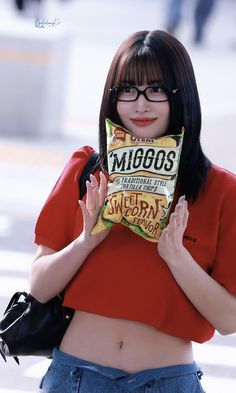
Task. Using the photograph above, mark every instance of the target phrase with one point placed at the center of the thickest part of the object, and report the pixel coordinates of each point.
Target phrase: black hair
(158, 56)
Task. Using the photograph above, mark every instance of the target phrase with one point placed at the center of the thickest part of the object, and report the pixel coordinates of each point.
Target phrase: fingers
(92, 194)
(96, 192)
(182, 198)
(164, 234)
(99, 191)
(171, 240)
(86, 216)
(185, 215)
(179, 218)
(95, 196)
(173, 222)
(181, 211)
(102, 189)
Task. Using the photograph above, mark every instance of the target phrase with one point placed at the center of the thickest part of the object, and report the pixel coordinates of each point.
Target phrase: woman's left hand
(170, 243)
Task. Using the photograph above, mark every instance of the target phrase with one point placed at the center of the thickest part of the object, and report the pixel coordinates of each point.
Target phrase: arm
(51, 270)
(211, 299)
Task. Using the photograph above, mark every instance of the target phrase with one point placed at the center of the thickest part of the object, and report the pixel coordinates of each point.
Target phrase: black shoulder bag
(29, 327)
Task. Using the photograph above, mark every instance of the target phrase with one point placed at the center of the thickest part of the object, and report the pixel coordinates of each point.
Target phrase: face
(144, 118)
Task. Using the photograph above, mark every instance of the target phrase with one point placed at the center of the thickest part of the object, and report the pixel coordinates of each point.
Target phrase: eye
(127, 92)
(128, 89)
(156, 89)
(157, 93)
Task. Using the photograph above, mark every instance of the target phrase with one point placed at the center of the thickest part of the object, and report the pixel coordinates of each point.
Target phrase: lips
(141, 122)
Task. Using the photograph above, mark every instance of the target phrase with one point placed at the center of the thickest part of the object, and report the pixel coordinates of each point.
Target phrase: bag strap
(15, 298)
(90, 167)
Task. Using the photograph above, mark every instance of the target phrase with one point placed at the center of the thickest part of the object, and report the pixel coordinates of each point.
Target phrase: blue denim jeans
(68, 374)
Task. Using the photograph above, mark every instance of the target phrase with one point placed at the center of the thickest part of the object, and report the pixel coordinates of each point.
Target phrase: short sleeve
(55, 225)
(224, 270)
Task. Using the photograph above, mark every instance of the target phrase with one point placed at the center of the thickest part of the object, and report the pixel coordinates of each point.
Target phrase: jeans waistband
(132, 381)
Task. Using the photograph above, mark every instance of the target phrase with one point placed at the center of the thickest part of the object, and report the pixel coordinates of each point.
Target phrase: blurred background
(54, 57)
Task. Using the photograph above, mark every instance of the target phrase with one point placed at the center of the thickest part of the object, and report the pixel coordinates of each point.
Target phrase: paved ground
(29, 166)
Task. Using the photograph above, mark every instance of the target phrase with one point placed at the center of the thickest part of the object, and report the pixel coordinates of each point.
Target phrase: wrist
(84, 245)
(179, 257)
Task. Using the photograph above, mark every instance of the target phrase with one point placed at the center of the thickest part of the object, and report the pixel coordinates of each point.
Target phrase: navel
(121, 343)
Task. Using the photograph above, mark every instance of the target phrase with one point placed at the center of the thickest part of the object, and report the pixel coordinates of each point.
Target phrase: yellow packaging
(142, 179)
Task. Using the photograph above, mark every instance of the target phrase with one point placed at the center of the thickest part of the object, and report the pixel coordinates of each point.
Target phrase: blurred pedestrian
(21, 5)
(139, 304)
(174, 15)
(201, 14)
(29, 8)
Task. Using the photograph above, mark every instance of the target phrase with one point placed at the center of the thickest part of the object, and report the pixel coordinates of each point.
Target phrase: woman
(138, 305)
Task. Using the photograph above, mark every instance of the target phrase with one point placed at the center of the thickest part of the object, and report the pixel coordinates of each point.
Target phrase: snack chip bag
(142, 179)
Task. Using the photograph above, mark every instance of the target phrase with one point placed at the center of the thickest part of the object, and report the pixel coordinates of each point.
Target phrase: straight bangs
(139, 68)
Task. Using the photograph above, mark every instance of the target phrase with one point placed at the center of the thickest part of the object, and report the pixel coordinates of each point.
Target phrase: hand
(96, 195)
(170, 244)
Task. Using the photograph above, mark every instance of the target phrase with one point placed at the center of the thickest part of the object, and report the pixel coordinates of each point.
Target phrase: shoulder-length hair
(148, 56)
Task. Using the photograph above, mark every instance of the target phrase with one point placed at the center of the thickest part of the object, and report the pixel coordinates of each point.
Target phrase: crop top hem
(163, 329)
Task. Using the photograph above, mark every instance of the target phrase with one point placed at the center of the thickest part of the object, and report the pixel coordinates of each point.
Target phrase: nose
(142, 105)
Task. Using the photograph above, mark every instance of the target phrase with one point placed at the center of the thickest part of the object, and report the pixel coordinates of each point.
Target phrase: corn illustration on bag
(142, 179)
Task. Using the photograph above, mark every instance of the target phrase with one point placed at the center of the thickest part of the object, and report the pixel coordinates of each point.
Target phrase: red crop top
(124, 277)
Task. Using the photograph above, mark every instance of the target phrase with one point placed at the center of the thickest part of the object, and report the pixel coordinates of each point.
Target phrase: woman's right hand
(96, 195)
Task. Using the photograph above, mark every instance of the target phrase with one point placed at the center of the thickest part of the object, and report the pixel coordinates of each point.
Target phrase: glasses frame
(114, 90)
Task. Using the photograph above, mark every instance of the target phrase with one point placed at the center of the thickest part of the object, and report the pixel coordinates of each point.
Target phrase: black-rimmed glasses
(129, 93)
